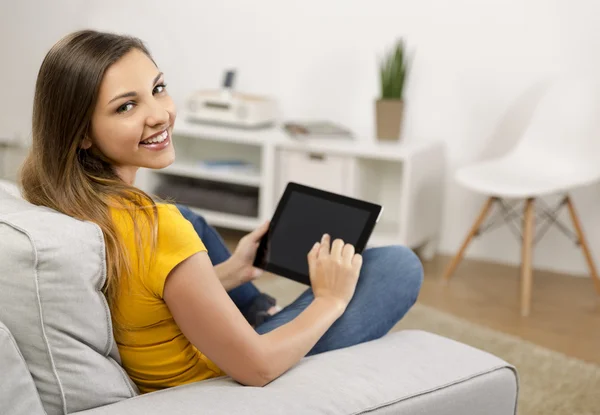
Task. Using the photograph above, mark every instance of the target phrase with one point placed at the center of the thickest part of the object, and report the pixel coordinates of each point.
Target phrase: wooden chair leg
(584, 246)
(472, 232)
(526, 253)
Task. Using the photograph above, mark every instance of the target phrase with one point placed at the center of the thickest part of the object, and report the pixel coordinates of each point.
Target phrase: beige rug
(550, 382)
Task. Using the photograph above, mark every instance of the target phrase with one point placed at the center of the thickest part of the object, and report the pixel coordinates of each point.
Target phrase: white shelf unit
(227, 220)
(406, 178)
(199, 172)
(195, 143)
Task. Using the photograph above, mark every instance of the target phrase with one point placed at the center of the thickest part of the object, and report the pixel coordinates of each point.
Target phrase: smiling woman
(80, 161)
(133, 127)
(102, 111)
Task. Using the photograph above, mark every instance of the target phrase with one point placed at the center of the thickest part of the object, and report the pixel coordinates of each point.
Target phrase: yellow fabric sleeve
(153, 350)
(177, 240)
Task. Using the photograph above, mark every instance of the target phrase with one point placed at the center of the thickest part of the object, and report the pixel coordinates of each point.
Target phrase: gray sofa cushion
(18, 395)
(10, 188)
(52, 268)
(408, 372)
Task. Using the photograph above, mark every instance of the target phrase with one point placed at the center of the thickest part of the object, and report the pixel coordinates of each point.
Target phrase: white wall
(475, 78)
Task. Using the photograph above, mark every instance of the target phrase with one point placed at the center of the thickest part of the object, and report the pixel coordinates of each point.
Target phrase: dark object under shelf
(204, 194)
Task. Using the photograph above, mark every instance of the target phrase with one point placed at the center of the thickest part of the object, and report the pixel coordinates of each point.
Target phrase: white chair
(559, 151)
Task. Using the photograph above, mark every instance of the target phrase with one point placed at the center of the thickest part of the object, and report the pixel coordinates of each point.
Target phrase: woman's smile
(158, 141)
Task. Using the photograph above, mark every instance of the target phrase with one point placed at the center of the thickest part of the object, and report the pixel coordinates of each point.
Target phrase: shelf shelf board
(366, 147)
(223, 176)
(228, 220)
(395, 151)
(256, 137)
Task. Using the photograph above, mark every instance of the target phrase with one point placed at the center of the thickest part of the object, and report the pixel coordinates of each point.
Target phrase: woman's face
(134, 116)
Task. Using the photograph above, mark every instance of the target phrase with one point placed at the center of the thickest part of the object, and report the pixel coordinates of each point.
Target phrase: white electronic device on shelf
(231, 109)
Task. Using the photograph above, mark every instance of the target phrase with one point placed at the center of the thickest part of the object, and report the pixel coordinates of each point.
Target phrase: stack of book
(229, 165)
(316, 129)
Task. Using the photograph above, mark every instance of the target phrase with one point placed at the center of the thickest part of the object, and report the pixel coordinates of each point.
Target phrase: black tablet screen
(303, 221)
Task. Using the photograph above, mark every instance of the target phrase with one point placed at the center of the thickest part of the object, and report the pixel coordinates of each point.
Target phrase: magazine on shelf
(316, 129)
(231, 165)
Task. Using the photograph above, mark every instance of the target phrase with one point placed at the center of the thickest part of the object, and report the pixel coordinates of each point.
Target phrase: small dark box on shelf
(204, 194)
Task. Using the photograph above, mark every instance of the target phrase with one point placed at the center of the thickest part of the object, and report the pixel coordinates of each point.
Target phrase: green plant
(393, 69)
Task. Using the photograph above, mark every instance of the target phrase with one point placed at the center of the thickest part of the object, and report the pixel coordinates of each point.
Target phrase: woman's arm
(238, 269)
(212, 322)
(229, 273)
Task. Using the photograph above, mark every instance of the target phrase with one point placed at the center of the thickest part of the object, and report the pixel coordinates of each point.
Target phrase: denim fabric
(242, 296)
(388, 286)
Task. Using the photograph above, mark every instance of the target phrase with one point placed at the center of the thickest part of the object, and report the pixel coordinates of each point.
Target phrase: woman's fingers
(348, 253)
(312, 258)
(324, 246)
(258, 233)
(256, 273)
(336, 248)
(357, 261)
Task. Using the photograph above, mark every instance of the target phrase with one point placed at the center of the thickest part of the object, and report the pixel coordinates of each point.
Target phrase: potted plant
(389, 108)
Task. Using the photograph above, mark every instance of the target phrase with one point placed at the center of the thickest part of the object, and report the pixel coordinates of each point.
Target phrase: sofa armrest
(403, 372)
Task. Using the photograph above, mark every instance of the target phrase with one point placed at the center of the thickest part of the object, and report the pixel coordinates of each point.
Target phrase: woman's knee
(402, 269)
(410, 263)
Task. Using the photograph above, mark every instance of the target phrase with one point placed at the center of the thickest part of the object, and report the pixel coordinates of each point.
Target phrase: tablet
(302, 216)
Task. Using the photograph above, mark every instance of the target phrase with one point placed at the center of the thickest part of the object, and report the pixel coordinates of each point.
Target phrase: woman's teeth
(157, 139)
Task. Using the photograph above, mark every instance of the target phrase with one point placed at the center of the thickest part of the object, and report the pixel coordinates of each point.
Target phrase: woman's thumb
(312, 258)
(260, 231)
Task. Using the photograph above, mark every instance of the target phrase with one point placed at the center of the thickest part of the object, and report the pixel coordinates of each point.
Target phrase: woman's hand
(334, 272)
(238, 269)
(245, 252)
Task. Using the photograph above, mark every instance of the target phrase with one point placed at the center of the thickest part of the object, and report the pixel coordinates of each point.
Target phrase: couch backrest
(52, 269)
(18, 395)
(10, 188)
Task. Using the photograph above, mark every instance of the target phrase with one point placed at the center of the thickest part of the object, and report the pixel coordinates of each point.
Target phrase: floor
(565, 313)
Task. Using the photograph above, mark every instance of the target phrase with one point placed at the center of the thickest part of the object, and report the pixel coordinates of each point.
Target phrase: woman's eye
(125, 107)
(159, 88)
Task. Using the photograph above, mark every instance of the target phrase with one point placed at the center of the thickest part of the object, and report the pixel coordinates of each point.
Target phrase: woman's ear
(86, 143)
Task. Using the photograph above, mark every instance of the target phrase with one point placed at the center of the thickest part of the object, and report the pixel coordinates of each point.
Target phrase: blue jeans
(389, 283)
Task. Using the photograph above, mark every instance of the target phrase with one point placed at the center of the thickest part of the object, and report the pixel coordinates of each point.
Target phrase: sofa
(58, 354)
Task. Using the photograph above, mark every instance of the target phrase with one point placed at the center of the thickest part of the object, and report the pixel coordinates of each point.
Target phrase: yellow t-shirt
(153, 350)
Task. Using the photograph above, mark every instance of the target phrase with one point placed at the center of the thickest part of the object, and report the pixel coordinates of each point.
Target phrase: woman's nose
(158, 115)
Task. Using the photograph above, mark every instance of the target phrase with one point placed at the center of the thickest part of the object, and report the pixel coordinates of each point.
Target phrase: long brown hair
(57, 172)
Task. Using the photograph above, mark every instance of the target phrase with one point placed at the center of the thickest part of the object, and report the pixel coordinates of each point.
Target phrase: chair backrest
(564, 132)
(52, 268)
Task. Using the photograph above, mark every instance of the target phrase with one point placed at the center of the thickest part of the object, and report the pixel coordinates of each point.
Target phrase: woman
(102, 111)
